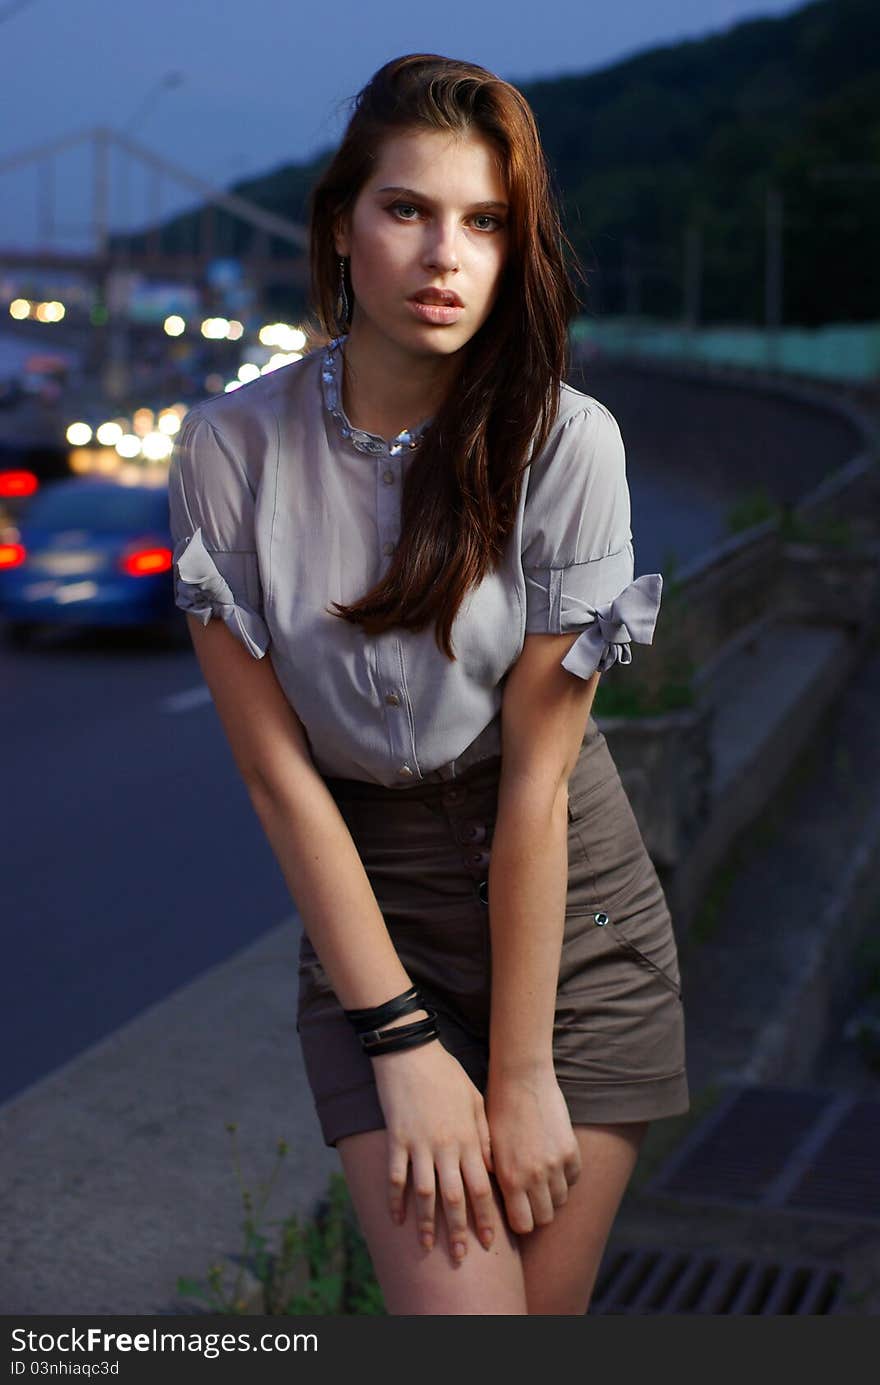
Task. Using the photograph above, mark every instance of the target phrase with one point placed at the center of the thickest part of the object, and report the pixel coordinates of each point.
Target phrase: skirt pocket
(668, 973)
(617, 1021)
(613, 882)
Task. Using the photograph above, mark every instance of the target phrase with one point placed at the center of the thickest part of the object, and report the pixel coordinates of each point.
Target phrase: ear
(342, 236)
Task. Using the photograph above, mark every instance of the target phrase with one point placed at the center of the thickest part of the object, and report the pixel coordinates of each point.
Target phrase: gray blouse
(278, 507)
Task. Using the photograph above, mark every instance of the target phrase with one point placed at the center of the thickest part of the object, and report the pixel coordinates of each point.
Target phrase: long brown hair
(462, 488)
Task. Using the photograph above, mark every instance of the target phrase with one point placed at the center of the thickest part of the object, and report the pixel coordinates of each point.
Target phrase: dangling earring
(343, 306)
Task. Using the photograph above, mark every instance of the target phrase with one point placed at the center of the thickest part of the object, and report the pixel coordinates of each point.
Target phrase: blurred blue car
(89, 552)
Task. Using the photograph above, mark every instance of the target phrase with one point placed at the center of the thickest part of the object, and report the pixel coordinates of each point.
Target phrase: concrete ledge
(117, 1172)
(787, 1046)
(834, 396)
(768, 699)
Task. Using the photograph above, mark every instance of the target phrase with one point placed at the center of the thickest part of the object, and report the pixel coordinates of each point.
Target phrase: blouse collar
(372, 443)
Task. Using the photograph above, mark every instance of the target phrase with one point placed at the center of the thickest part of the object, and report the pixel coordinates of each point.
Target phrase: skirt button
(474, 832)
(452, 796)
(601, 919)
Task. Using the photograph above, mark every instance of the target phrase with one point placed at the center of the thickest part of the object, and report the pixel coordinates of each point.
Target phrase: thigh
(418, 1281)
(560, 1261)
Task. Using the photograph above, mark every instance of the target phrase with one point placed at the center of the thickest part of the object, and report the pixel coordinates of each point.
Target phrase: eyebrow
(420, 197)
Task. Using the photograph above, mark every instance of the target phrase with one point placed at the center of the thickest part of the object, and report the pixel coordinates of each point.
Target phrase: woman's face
(432, 217)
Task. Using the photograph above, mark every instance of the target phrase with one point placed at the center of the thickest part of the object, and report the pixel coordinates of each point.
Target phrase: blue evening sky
(228, 88)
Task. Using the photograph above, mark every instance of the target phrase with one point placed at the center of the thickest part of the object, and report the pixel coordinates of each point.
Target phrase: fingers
(425, 1186)
(460, 1179)
(531, 1198)
(454, 1206)
(480, 1193)
(398, 1162)
(557, 1188)
(485, 1138)
(571, 1166)
(518, 1209)
(544, 1203)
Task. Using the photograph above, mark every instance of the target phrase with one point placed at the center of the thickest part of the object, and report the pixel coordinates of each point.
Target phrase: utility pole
(47, 203)
(693, 276)
(631, 277)
(773, 282)
(100, 198)
(154, 216)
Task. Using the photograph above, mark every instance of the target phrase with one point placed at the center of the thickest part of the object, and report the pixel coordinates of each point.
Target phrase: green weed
(313, 1265)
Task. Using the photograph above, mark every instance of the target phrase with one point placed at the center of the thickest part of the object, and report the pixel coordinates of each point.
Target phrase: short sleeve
(211, 511)
(577, 553)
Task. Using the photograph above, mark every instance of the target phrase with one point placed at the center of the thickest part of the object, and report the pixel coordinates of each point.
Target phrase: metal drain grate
(793, 1149)
(844, 1178)
(680, 1281)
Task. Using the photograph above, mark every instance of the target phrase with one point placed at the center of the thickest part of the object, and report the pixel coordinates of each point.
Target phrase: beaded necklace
(331, 385)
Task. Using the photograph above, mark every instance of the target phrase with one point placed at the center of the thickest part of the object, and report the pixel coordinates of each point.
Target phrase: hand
(536, 1155)
(436, 1118)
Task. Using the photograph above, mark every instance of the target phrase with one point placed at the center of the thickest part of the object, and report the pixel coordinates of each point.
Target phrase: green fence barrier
(839, 351)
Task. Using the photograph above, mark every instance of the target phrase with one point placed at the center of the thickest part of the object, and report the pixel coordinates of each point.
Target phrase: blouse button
(405, 771)
(388, 547)
(388, 477)
(392, 699)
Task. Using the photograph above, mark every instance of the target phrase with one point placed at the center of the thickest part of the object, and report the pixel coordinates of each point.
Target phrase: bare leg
(418, 1281)
(560, 1261)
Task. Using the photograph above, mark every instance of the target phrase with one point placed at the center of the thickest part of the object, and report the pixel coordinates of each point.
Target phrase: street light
(171, 79)
(115, 371)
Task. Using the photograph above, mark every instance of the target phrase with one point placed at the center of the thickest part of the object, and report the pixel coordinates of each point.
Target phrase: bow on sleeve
(606, 640)
(203, 591)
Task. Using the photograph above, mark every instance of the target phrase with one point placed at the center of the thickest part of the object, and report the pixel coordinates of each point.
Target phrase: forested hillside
(682, 143)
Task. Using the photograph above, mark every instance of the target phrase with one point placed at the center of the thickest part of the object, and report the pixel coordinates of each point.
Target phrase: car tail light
(17, 483)
(12, 555)
(145, 562)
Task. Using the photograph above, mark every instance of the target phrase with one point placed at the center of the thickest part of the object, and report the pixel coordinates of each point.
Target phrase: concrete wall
(759, 606)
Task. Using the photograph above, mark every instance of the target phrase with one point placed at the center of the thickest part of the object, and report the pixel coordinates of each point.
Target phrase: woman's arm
(212, 518)
(302, 822)
(544, 717)
(434, 1113)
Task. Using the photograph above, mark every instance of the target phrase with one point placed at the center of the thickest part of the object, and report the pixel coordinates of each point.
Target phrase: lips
(442, 298)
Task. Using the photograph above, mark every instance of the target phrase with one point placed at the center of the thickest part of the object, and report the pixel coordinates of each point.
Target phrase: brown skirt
(618, 1038)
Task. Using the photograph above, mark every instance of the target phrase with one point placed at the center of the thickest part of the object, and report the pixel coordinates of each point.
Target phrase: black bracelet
(422, 1033)
(377, 1015)
(371, 1037)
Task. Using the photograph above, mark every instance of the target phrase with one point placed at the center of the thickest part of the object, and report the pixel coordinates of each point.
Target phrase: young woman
(429, 534)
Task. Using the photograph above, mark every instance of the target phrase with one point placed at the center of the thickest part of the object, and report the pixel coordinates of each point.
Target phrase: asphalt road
(694, 449)
(132, 860)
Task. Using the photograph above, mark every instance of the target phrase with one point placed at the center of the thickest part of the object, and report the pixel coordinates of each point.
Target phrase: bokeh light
(78, 434)
(129, 445)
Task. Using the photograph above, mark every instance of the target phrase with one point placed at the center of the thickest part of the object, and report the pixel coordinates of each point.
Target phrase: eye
(407, 206)
(485, 216)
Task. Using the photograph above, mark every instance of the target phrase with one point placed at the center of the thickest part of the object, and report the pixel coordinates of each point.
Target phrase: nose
(441, 251)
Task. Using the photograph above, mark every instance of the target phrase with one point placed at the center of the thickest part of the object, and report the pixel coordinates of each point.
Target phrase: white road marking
(188, 700)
